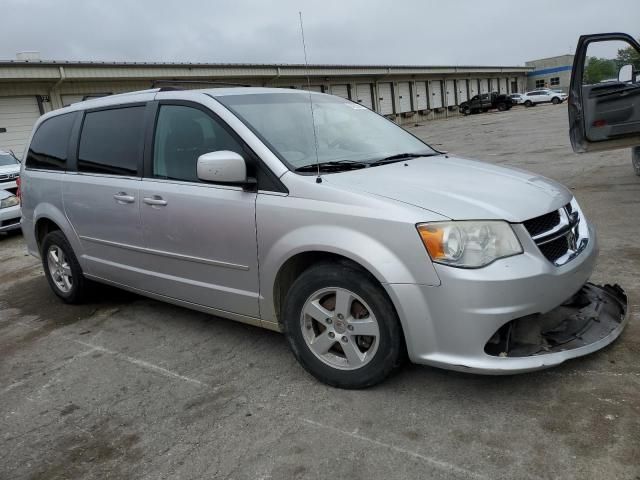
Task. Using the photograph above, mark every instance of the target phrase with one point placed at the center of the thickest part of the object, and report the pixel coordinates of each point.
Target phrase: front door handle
(123, 197)
(156, 200)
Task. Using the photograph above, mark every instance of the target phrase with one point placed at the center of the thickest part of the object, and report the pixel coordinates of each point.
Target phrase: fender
(380, 260)
(53, 213)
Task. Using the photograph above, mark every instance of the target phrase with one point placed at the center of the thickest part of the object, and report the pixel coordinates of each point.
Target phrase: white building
(30, 87)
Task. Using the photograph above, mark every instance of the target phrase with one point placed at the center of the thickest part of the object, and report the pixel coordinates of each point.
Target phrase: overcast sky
(428, 32)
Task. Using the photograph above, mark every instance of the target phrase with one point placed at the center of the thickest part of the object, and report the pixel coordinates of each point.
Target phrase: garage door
(17, 116)
(494, 84)
(421, 96)
(363, 95)
(385, 98)
(450, 92)
(70, 99)
(503, 85)
(462, 90)
(340, 91)
(435, 87)
(473, 87)
(484, 85)
(404, 97)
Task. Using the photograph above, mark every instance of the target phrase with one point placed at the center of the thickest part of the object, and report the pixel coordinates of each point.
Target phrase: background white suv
(542, 96)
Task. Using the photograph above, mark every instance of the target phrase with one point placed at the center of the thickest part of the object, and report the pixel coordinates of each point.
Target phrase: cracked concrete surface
(127, 387)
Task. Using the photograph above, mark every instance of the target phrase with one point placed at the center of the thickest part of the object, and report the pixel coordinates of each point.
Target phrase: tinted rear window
(111, 141)
(48, 149)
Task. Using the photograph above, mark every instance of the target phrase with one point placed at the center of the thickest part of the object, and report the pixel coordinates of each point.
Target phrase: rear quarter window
(111, 141)
(48, 148)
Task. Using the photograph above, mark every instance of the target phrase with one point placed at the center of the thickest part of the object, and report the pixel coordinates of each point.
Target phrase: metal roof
(93, 63)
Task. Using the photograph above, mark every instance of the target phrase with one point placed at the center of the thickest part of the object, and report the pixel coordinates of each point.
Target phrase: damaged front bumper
(589, 320)
(519, 314)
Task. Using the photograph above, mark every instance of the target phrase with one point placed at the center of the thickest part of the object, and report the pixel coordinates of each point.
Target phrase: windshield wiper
(332, 165)
(401, 156)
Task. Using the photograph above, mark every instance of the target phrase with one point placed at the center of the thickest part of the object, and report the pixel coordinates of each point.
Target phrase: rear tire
(465, 111)
(62, 269)
(502, 107)
(323, 312)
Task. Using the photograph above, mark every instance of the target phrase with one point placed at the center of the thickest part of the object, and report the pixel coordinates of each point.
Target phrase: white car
(9, 211)
(517, 98)
(9, 171)
(542, 96)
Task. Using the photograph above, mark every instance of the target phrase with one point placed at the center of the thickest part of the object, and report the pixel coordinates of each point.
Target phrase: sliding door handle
(123, 197)
(156, 200)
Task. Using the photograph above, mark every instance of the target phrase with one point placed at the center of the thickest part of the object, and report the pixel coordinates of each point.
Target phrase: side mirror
(626, 73)
(222, 166)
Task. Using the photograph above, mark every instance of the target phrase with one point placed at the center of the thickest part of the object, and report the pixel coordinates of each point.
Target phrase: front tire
(502, 107)
(528, 103)
(342, 327)
(555, 100)
(62, 269)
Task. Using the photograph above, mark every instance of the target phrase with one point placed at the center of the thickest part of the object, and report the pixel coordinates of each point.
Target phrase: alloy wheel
(59, 269)
(340, 328)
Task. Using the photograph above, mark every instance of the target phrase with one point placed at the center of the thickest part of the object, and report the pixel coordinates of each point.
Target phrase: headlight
(469, 244)
(11, 201)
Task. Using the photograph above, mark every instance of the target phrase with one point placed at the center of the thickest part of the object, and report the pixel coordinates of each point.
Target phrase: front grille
(556, 234)
(543, 223)
(555, 249)
(12, 221)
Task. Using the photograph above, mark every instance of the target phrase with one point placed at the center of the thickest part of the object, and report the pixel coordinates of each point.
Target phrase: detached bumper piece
(591, 315)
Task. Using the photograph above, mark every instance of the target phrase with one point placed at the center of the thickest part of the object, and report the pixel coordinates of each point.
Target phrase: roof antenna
(313, 117)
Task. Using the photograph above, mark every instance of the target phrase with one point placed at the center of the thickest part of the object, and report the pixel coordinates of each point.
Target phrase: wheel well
(297, 264)
(43, 227)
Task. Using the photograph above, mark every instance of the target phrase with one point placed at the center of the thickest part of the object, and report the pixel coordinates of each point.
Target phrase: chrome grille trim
(572, 228)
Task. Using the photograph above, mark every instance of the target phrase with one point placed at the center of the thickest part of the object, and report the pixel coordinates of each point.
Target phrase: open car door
(604, 100)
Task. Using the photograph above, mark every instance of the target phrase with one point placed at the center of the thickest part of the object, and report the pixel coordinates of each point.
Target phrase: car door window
(111, 141)
(183, 134)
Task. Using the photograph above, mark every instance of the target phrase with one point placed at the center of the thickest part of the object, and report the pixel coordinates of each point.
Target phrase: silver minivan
(312, 215)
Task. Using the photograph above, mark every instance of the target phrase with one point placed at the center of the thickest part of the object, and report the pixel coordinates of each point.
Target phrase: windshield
(345, 130)
(6, 159)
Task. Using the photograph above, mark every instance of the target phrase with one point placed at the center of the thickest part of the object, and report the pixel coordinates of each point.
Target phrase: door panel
(604, 97)
(385, 98)
(105, 213)
(462, 90)
(421, 96)
(473, 88)
(340, 90)
(435, 87)
(484, 85)
(404, 96)
(363, 94)
(450, 92)
(200, 238)
(202, 244)
(102, 199)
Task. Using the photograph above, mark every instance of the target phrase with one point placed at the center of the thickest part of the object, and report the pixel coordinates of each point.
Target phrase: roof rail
(175, 84)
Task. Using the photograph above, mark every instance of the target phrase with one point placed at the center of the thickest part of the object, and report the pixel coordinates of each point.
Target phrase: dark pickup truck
(485, 102)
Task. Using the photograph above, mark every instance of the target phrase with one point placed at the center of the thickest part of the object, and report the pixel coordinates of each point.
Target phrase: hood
(459, 189)
(4, 169)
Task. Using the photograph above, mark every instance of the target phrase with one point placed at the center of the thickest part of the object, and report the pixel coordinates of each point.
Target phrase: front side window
(111, 141)
(182, 135)
(48, 148)
(344, 131)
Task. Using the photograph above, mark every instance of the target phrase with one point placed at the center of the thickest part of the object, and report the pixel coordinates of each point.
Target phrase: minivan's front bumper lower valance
(589, 317)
